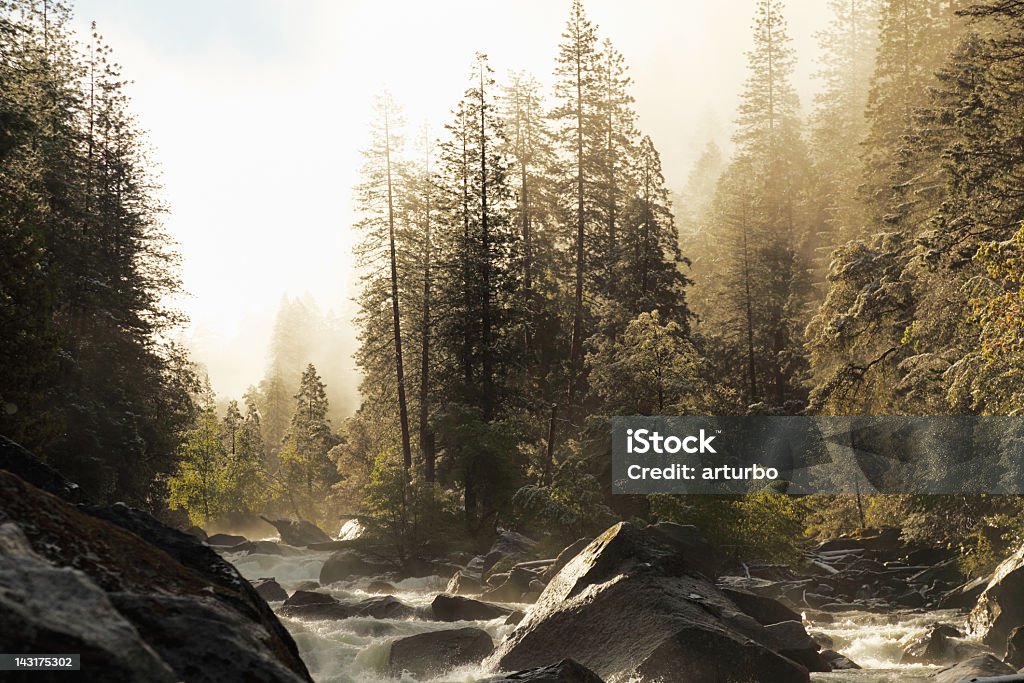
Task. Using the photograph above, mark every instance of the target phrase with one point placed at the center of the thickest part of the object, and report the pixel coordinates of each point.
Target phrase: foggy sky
(257, 110)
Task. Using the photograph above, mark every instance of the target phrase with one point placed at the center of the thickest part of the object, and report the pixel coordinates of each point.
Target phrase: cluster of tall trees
(89, 381)
(913, 200)
(523, 279)
(497, 260)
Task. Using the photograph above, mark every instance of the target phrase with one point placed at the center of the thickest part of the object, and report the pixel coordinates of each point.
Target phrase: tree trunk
(426, 436)
(576, 347)
(487, 404)
(403, 410)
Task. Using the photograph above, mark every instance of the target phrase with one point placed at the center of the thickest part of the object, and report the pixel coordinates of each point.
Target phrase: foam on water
(876, 642)
(288, 571)
(357, 650)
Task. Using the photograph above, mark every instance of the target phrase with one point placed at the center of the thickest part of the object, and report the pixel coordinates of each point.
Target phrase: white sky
(257, 110)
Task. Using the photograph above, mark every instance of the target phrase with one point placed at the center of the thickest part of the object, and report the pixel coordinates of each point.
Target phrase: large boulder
(298, 532)
(1000, 607)
(160, 580)
(44, 608)
(429, 654)
(349, 564)
(458, 608)
(641, 602)
(566, 671)
(569, 552)
(982, 665)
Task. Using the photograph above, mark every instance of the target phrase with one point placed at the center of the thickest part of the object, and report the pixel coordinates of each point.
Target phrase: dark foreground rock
(44, 608)
(566, 671)
(429, 654)
(642, 602)
(983, 665)
(458, 608)
(298, 532)
(202, 619)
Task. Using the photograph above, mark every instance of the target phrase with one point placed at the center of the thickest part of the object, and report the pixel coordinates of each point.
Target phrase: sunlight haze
(257, 112)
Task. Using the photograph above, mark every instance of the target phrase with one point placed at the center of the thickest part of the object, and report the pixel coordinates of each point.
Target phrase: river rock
(177, 592)
(44, 608)
(196, 531)
(1000, 607)
(793, 641)
(964, 596)
(641, 602)
(265, 548)
(566, 671)
(379, 607)
(937, 646)
(429, 654)
(1015, 648)
(270, 590)
(509, 544)
(306, 597)
(764, 609)
(513, 588)
(457, 608)
(298, 532)
(462, 583)
(349, 564)
(982, 665)
(226, 540)
(837, 661)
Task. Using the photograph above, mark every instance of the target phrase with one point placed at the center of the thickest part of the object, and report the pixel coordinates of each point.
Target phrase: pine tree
(579, 136)
(615, 162)
(90, 382)
(308, 471)
(763, 231)
(839, 127)
(479, 252)
(649, 263)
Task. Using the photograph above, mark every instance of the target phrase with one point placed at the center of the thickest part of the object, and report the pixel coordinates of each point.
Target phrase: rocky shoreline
(142, 601)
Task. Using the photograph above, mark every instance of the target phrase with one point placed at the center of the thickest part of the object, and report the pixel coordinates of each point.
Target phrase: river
(356, 650)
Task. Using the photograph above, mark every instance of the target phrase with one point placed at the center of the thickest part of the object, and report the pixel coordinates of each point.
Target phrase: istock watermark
(802, 455)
